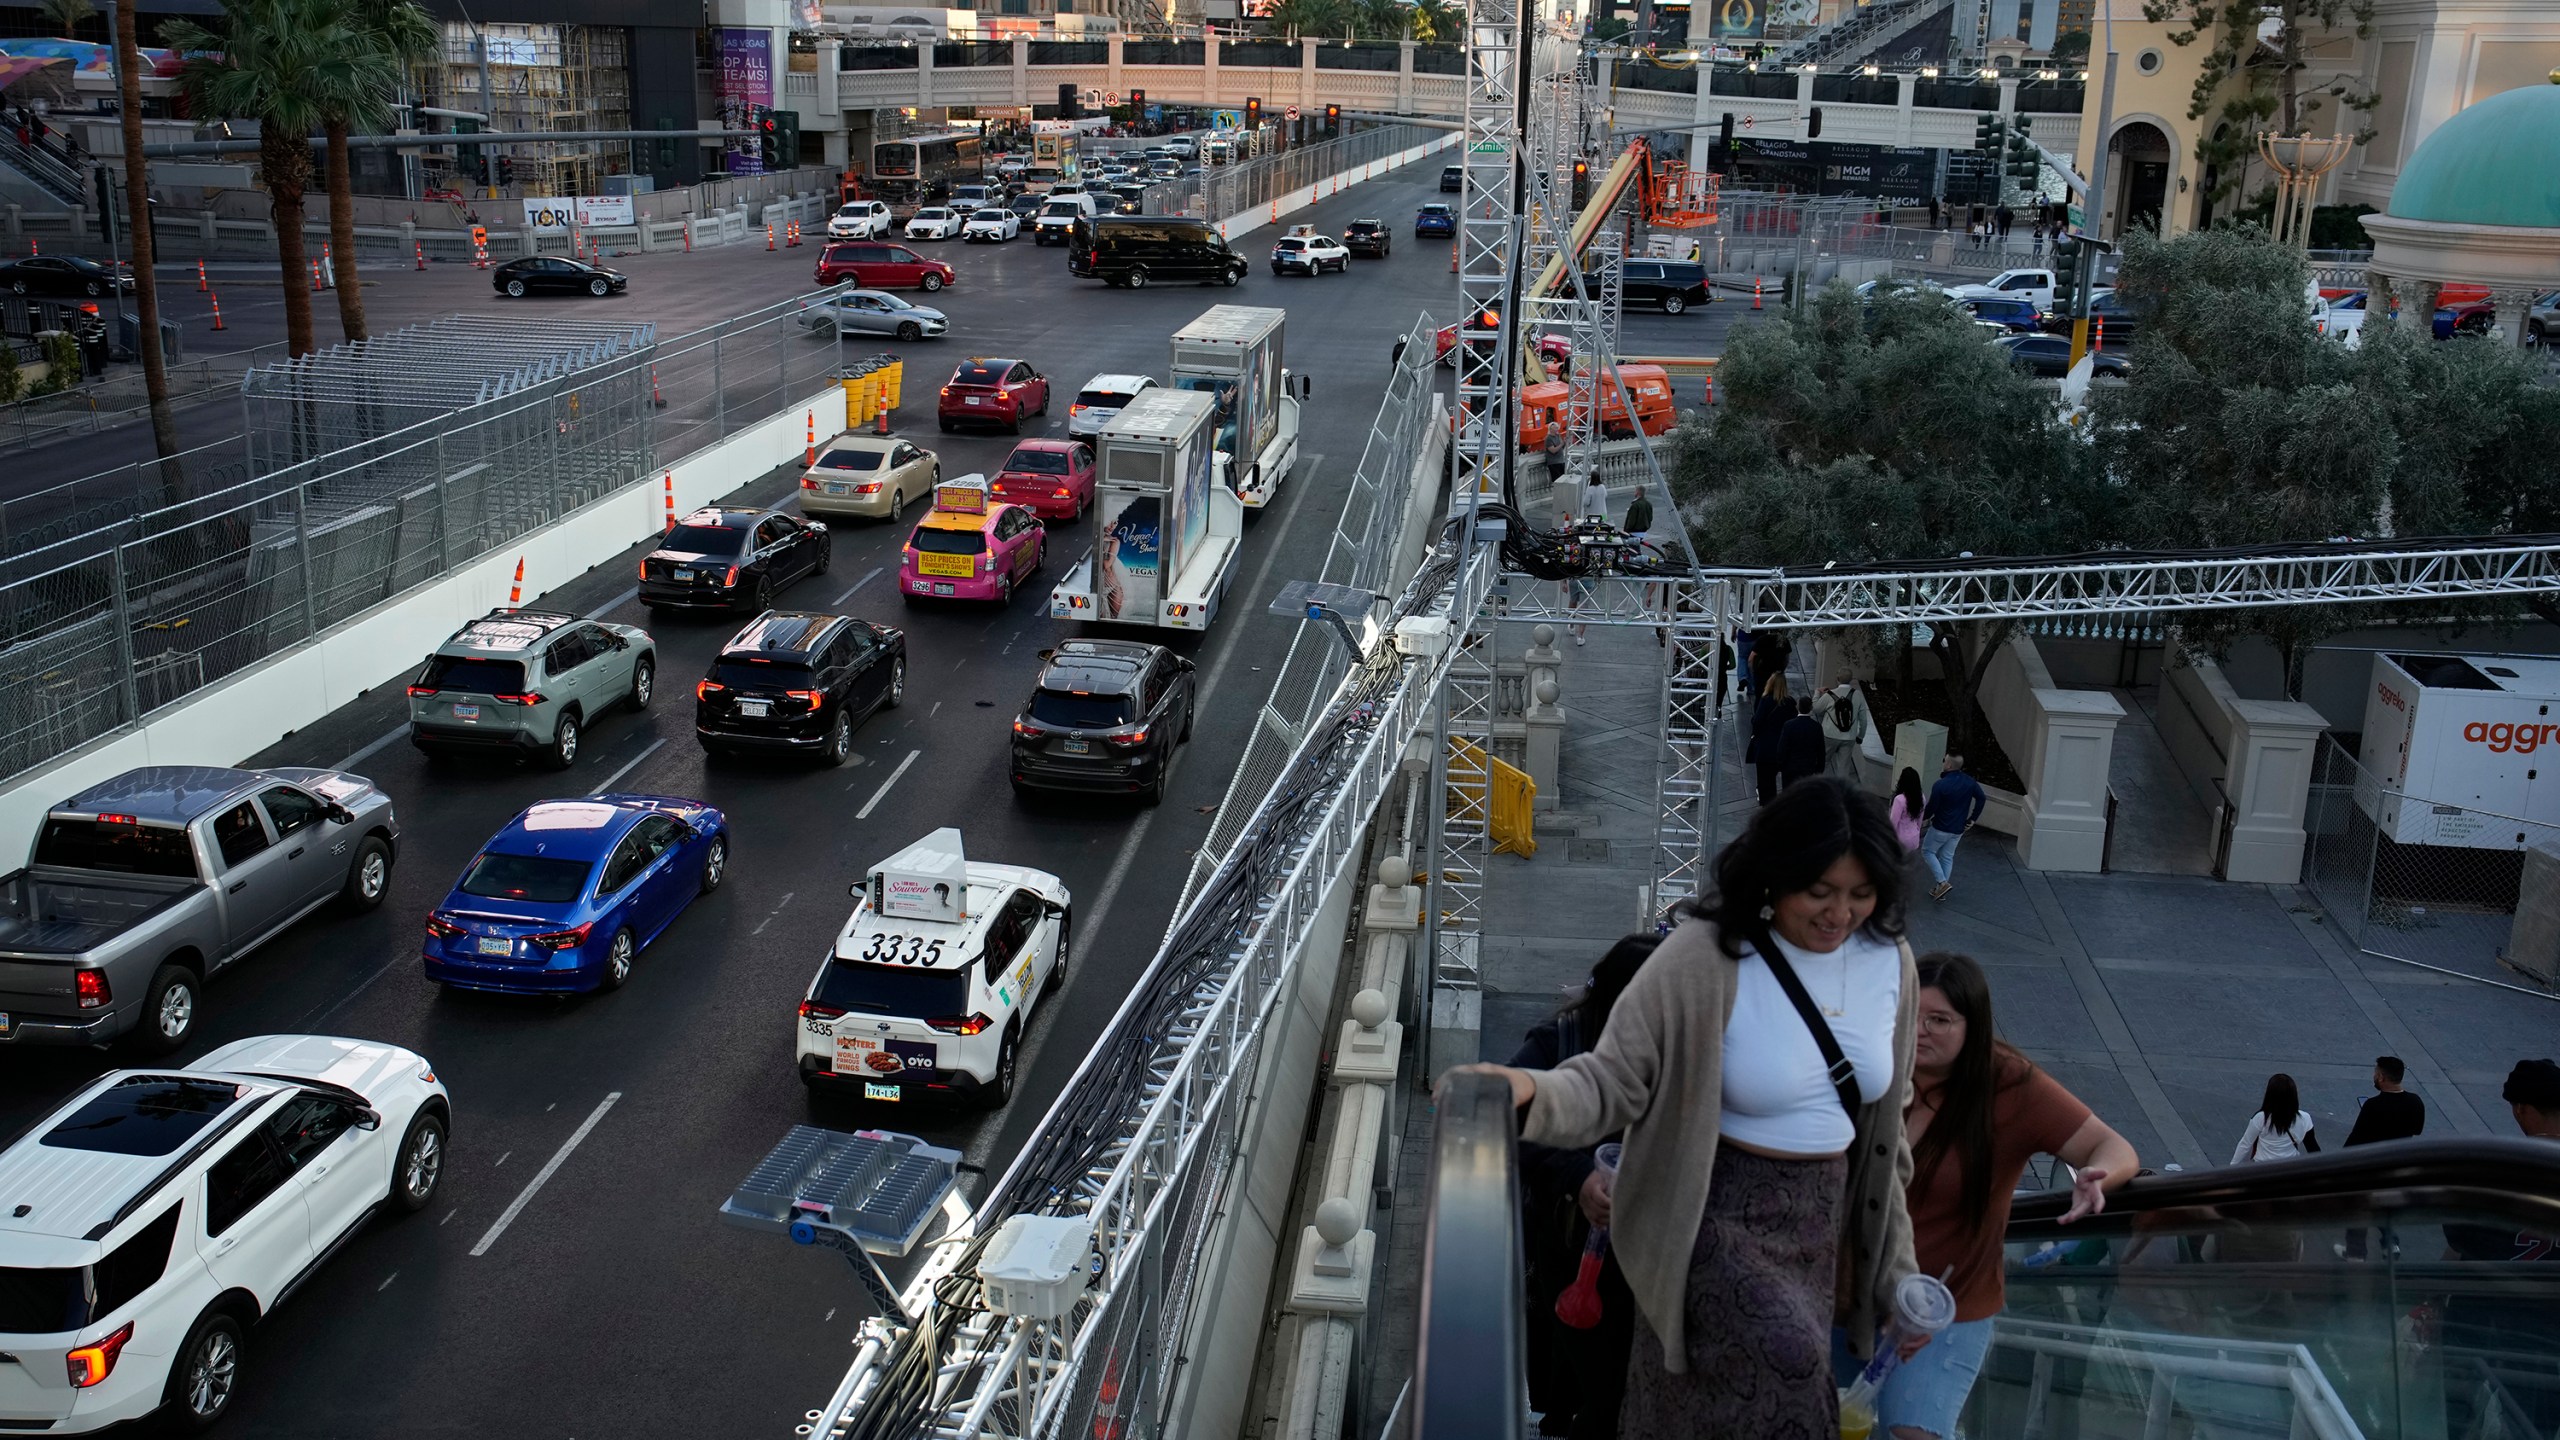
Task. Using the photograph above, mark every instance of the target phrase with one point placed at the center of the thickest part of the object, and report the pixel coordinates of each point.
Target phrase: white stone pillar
(2066, 821)
(2270, 785)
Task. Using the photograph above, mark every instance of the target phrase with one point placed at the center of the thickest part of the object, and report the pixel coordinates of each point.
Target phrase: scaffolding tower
(541, 77)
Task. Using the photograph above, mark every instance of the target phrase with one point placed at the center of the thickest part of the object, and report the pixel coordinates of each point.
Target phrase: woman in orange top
(1979, 1111)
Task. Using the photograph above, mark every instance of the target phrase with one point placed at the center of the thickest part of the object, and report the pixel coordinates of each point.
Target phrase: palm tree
(397, 32)
(69, 14)
(1438, 20)
(146, 287)
(287, 64)
(1292, 18)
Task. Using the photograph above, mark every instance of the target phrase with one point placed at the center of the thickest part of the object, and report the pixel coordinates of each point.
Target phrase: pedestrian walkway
(2163, 1000)
(2160, 827)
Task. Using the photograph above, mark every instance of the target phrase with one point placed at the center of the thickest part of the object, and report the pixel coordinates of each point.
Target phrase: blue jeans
(1938, 849)
(1926, 1392)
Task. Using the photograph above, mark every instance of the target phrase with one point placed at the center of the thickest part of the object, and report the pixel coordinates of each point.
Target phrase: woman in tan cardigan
(1713, 1071)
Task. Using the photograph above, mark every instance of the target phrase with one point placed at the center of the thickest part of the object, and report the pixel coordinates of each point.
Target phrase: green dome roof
(2489, 165)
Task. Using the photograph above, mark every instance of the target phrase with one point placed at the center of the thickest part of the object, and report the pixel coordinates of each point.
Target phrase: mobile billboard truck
(1234, 353)
(1166, 532)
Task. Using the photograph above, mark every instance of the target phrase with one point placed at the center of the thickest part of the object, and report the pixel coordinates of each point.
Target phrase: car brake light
(562, 939)
(868, 488)
(961, 1025)
(808, 482)
(112, 818)
(96, 1360)
(805, 697)
(730, 580)
(812, 1010)
(415, 691)
(534, 698)
(705, 689)
(91, 987)
(1134, 737)
(1024, 727)
(1075, 409)
(441, 928)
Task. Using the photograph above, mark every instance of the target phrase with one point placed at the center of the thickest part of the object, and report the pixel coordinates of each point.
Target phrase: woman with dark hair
(1575, 1376)
(2281, 1129)
(1768, 719)
(1908, 801)
(1757, 1065)
(1979, 1111)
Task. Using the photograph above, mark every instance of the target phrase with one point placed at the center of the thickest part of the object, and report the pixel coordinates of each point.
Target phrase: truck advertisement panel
(1128, 555)
(1198, 459)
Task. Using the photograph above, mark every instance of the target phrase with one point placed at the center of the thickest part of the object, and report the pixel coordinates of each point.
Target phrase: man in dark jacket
(1800, 747)
(2390, 1113)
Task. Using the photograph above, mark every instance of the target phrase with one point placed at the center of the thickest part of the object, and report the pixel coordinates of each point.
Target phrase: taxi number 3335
(904, 950)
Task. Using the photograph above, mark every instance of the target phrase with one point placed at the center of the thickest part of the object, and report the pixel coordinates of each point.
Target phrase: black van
(1675, 285)
(1137, 250)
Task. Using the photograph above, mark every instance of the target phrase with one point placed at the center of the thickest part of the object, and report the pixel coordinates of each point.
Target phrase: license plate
(466, 712)
(755, 707)
(488, 946)
(939, 588)
(682, 573)
(835, 489)
(874, 1090)
(974, 400)
(1076, 747)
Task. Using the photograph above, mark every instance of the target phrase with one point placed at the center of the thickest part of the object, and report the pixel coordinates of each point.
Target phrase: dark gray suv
(528, 682)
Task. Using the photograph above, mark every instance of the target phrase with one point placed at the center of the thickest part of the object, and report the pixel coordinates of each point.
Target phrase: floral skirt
(1758, 1311)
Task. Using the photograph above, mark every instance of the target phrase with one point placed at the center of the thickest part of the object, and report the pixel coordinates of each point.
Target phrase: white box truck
(2455, 746)
(1165, 532)
(1234, 353)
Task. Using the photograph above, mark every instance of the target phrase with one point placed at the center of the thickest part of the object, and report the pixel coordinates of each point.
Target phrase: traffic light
(1333, 119)
(1581, 183)
(2024, 164)
(2066, 270)
(1252, 111)
(1813, 123)
(786, 137)
(466, 158)
(1069, 107)
(1986, 134)
(1137, 104)
(506, 170)
(666, 148)
(768, 138)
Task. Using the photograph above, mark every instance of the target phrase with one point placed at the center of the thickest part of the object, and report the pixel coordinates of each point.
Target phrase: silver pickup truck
(141, 888)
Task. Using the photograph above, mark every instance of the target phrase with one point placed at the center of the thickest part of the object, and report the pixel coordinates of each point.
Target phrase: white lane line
(616, 603)
(386, 1282)
(525, 1197)
(776, 910)
(629, 765)
(831, 1314)
(883, 792)
(1091, 923)
(936, 710)
(448, 1217)
(502, 1160)
(858, 584)
(369, 751)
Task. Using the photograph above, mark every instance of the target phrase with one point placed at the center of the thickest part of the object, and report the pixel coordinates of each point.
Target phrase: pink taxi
(971, 547)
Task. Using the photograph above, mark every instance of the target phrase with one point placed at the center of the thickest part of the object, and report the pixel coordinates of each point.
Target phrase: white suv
(161, 1213)
(859, 220)
(931, 982)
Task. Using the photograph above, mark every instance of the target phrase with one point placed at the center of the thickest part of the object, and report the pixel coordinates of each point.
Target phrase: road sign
(1293, 112)
(1746, 122)
(1485, 147)
(1110, 97)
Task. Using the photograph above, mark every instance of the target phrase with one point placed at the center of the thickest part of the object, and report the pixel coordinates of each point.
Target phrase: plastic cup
(1605, 1159)
(1923, 1305)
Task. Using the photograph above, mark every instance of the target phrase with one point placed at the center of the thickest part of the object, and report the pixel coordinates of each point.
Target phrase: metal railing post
(444, 502)
(719, 395)
(128, 691)
(302, 545)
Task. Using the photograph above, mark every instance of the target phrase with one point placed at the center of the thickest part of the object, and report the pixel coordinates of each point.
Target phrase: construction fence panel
(1232, 190)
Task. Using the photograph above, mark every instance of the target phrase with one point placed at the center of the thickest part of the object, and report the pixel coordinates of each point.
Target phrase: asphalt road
(615, 1303)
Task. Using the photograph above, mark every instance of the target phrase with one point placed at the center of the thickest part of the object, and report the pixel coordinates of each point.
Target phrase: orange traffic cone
(421, 248)
(202, 284)
(1755, 294)
(812, 457)
(515, 592)
(315, 277)
(671, 499)
(328, 270)
(655, 399)
(2099, 333)
(768, 237)
(1453, 257)
(217, 308)
(880, 421)
(1711, 387)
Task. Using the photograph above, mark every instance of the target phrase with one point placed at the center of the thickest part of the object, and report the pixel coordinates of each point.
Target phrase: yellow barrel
(893, 376)
(870, 395)
(853, 415)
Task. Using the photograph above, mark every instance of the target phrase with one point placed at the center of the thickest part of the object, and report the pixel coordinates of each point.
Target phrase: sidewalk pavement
(2164, 1001)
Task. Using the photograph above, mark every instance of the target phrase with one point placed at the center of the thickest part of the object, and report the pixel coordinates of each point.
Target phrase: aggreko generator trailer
(2456, 742)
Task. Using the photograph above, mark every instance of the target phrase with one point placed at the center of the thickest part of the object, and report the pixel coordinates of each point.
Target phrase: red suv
(993, 392)
(878, 265)
(1051, 478)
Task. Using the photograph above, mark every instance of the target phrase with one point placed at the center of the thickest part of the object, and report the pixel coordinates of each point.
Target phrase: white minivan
(1058, 217)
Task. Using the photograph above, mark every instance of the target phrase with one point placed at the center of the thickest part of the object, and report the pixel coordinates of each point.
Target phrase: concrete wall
(2063, 743)
(235, 718)
(2249, 760)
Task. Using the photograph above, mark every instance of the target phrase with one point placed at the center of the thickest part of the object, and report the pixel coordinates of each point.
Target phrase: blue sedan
(568, 894)
(1435, 219)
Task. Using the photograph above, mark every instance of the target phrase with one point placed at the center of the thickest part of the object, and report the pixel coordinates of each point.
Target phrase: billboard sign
(551, 216)
(1130, 556)
(746, 82)
(1738, 20)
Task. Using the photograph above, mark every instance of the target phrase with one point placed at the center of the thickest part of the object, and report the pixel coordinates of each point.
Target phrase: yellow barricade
(1512, 815)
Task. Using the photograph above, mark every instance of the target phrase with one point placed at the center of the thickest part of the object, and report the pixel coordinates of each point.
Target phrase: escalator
(2207, 1306)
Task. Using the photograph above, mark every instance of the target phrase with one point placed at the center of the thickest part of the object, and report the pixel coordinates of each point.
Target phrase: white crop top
(1777, 1092)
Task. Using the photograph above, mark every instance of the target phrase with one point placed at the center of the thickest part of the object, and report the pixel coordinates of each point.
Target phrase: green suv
(527, 682)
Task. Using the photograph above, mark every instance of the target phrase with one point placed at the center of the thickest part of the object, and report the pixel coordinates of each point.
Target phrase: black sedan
(553, 275)
(799, 682)
(731, 558)
(1367, 237)
(2048, 357)
(1105, 716)
(63, 275)
(2118, 330)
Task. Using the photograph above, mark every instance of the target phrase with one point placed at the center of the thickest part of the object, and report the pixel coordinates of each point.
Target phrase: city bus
(921, 168)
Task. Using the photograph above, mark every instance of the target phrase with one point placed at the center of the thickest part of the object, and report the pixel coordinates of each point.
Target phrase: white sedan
(934, 222)
(1309, 255)
(992, 223)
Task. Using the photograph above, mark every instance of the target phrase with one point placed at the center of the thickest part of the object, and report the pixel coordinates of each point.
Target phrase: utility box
(2455, 746)
(1035, 1267)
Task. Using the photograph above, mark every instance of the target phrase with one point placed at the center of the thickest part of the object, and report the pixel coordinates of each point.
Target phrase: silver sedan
(873, 312)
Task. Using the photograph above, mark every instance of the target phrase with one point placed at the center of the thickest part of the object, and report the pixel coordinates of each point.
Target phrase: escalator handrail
(1471, 1319)
(2524, 1175)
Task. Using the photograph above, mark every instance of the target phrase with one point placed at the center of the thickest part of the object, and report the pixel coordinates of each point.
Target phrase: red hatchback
(993, 392)
(879, 265)
(1051, 478)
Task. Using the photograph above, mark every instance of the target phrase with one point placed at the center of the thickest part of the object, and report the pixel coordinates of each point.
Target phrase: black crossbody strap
(1844, 1076)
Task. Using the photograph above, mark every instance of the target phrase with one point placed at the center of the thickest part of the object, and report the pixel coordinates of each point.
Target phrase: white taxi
(930, 984)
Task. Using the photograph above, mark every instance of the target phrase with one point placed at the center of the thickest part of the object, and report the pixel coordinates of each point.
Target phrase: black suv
(1366, 237)
(1132, 251)
(731, 559)
(1106, 715)
(1453, 178)
(1675, 285)
(799, 682)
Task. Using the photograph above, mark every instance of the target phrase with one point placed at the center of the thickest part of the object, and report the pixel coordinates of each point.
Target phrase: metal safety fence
(100, 629)
(1233, 190)
(2413, 880)
(1366, 539)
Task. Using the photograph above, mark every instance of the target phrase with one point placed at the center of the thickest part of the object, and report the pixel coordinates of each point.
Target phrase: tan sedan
(869, 475)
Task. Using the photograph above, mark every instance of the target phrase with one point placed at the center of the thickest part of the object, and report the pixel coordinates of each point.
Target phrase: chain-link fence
(1231, 190)
(100, 629)
(2408, 879)
(1366, 540)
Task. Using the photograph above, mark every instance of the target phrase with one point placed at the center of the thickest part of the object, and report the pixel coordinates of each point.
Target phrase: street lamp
(2299, 161)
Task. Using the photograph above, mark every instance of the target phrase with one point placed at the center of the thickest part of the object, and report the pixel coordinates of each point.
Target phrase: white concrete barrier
(236, 717)
(1331, 185)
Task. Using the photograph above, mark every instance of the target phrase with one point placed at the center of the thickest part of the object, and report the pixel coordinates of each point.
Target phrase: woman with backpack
(1843, 712)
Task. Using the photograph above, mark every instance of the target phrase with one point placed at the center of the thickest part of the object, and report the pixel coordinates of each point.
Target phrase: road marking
(963, 661)
(616, 603)
(1119, 871)
(549, 1168)
(502, 1160)
(448, 1217)
(858, 584)
(936, 710)
(554, 1105)
(386, 1282)
(776, 910)
(882, 793)
(831, 1314)
(368, 751)
(629, 765)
